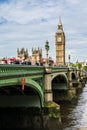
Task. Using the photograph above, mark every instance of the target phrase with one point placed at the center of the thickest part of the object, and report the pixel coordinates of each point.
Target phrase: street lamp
(69, 59)
(47, 49)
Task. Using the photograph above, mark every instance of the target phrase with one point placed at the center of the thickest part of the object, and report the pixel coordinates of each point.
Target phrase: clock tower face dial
(59, 39)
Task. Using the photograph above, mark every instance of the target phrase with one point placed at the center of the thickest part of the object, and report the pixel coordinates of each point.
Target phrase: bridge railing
(12, 70)
(59, 69)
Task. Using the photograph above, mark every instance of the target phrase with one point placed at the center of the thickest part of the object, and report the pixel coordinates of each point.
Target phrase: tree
(85, 68)
(79, 65)
(73, 65)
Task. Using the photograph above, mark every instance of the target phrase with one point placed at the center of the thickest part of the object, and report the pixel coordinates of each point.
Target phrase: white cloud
(30, 23)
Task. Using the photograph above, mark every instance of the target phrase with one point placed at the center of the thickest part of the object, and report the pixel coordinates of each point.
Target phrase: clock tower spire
(60, 44)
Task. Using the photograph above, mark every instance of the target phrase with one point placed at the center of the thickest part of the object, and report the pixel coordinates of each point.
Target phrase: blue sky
(29, 23)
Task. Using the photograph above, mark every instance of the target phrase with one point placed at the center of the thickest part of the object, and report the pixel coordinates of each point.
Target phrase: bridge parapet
(11, 75)
(59, 69)
(21, 70)
(41, 77)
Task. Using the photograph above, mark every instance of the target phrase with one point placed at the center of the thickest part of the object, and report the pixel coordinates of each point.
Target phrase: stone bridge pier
(81, 79)
(49, 104)
(48, 95)
(71, 93)
(80, 85)
(76, 81)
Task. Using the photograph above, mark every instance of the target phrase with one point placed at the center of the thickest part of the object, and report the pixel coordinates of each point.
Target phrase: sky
(30, 23)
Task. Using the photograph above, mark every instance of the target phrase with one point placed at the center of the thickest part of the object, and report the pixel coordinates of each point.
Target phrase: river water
(74, 115)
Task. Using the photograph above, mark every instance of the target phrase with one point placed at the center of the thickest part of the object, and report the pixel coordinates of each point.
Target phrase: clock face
(59, 39)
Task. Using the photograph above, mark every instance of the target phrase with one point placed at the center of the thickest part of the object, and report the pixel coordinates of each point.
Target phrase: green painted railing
(12, 74)
(59, 69)
(21, 70)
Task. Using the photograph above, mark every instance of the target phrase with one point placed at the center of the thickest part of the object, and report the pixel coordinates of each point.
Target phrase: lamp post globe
(47, 49)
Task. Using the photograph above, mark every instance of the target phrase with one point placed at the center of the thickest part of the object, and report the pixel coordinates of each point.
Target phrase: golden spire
(60, 27)
(60, 23)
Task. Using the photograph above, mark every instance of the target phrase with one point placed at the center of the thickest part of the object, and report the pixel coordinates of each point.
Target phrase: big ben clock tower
(60, 45)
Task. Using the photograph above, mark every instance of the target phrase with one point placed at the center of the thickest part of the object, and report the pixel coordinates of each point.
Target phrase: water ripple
(75, 117)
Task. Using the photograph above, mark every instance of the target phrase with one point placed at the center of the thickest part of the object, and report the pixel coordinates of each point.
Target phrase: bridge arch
(16, 85)
(74, 79)
(73, 76)
(59, 86)
(60, 81)
(34, 85)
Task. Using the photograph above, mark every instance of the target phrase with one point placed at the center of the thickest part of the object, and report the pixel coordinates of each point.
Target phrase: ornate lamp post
(47, 49)
(69, 59)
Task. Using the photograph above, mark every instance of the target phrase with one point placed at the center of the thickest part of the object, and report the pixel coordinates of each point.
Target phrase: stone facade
(22, 54)
(60, 45)
(36, 56)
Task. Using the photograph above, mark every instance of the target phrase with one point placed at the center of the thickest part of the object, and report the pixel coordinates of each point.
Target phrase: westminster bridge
(34, 86)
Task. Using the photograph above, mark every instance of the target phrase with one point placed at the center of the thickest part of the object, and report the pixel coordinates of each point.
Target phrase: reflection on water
(74, 116)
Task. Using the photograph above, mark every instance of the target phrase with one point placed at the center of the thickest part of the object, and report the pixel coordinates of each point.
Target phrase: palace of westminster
(37, 53)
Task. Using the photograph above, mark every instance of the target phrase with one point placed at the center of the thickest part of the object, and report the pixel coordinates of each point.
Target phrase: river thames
(74, 115)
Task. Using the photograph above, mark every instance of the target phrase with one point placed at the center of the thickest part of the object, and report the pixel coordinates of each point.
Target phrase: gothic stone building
(22, 54)
(60, 45)
(36, 56)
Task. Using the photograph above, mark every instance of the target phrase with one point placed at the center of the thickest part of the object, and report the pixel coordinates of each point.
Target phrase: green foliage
(85, 68)
(79, 65)
(73, 65)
